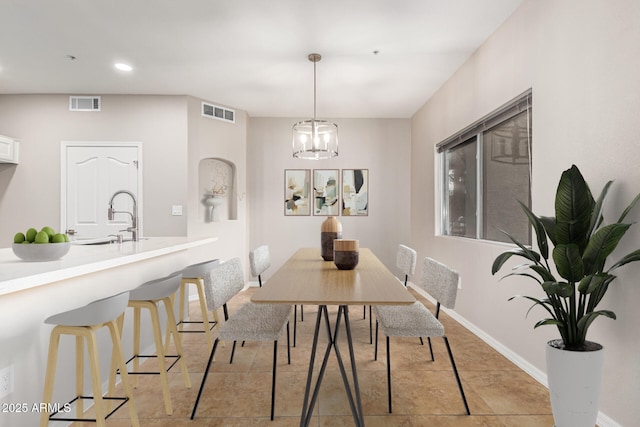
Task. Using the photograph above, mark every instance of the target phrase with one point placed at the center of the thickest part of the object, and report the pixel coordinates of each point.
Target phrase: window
(486, 173)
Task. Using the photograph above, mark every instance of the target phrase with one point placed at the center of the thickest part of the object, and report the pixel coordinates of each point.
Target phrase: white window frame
(522, 102)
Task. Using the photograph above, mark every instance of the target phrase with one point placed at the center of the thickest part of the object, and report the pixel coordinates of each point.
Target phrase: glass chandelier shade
(315, 139)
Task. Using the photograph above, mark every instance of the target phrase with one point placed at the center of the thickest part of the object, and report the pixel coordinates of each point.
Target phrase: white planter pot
(575, 379)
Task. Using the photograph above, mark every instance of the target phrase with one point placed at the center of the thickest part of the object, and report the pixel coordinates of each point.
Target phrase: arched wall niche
(217, 190)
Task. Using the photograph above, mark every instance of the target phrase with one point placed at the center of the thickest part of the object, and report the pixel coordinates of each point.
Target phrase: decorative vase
(212, 202)
(331, 229)
(346, 253)
(575, 379)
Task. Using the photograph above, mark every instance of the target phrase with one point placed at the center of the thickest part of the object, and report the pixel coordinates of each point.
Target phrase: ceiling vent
(84, 103)
(220, 113)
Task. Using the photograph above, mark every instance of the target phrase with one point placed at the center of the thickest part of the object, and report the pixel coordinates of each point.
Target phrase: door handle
(71, 232)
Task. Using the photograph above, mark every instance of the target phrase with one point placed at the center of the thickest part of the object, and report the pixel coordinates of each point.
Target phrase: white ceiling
(247, 54)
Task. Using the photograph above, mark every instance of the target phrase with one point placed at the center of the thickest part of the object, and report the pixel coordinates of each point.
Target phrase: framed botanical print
(326, 192)
(355, 192)
(297, 191)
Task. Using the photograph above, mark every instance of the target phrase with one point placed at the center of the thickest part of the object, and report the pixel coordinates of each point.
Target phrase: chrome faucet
(134, 215)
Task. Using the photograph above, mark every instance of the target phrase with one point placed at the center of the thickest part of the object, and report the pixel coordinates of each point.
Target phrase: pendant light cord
(314, 91)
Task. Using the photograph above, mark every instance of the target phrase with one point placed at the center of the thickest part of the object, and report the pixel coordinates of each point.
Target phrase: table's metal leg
(343, 371)
(308, 405)
(305, 405)
(354, 371)
(323, 367)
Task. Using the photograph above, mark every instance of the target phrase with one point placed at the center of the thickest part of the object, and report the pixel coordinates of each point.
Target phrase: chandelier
(315, 139)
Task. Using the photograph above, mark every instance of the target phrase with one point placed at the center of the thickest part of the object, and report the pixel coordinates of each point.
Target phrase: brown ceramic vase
(331, 229)
(346, 253)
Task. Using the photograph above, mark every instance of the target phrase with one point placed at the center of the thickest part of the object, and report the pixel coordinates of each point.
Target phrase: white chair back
(406, 259)
(222, 282)
(440, 282)
(259, 260)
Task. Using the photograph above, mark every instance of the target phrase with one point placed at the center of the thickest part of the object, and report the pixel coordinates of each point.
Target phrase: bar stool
(83, 323)
(194, 274)
(148, 296)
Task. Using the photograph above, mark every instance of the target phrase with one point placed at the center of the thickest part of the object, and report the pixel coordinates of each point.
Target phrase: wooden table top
(307, 279)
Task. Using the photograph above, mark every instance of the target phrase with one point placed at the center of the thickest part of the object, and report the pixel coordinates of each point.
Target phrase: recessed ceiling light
(123, 67)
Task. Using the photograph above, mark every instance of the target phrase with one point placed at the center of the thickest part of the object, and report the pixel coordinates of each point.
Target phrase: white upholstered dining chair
(416, 320)
(251, 322)
(406, 259)
(259, 261)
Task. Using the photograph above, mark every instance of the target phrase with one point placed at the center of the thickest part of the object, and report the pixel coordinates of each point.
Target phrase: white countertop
(17, 275)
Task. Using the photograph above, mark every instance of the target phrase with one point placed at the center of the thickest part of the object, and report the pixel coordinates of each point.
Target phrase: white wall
(30, 191)
(582, 59)
(211, 138)
(382, 146)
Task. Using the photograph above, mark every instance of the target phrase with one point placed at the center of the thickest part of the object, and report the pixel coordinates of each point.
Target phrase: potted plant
(582, 243)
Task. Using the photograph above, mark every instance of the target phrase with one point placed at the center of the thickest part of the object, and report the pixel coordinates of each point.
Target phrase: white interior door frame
(63, 174)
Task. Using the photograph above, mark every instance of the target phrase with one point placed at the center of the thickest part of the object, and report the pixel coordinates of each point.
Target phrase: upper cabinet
(9, 150)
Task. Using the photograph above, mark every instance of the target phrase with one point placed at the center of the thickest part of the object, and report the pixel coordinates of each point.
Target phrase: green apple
(58, 238)
(50, 232)
(42, 237)
(31, 235)
(19, 238)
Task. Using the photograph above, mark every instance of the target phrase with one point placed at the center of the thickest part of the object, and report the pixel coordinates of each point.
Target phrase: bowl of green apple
(43, 245)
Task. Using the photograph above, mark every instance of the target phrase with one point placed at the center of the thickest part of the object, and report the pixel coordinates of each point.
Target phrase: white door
(92, 174)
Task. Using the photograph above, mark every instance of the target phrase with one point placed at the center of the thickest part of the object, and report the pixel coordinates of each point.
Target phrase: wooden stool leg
(177, 340)
(157, 332)
(114, 356)
(204, 311)
(167, 334)
(98, 404)
(52, 359)
(118, 355)
(136, 343)
(184, 283)
(79, 375)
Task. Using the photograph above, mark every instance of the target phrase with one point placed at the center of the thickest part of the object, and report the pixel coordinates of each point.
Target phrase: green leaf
(539, 230)
(549, 223)
(602, 243)
(596, 215)
(543, 303)
(568, 262)
(591, 283)
(573, 206)
(628, 209)
(586, 320)
(544, 273)
(532, 255)
(553, 322)
(633, 256)
(503, 257)
(561, 289)
(523, 275)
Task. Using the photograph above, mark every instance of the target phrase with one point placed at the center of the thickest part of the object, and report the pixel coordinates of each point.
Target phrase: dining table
(306, 278)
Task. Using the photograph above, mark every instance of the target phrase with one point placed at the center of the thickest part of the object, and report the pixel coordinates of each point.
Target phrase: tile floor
(424, 392)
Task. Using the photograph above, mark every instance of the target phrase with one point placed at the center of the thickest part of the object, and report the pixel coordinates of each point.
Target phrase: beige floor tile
(424, 392)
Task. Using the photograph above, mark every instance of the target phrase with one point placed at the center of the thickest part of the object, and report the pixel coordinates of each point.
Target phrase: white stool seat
(200, 269)
(156, 289)
(95, 313)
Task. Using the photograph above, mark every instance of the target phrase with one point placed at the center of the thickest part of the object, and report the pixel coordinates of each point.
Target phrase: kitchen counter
(32, 291)
(17, 275)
